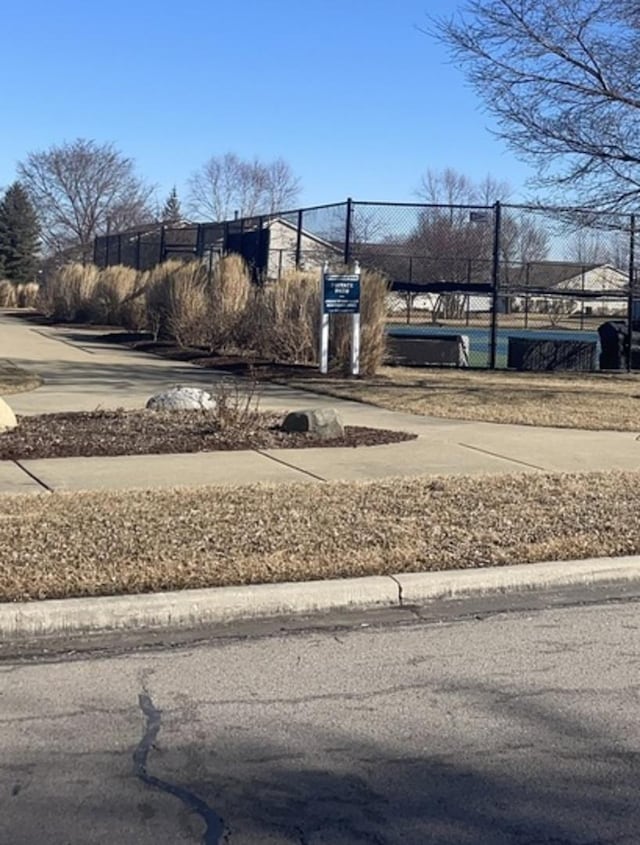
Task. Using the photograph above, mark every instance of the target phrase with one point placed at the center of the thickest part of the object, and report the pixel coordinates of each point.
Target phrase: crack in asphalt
(215, 828)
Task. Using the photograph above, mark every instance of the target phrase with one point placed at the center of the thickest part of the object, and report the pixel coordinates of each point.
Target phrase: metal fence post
(261, 260)
(95, 250)
(347, 232)
(138, 242)
(161, 249)
(199, 248)
(299, 239)
(495, 284)
(632, 273)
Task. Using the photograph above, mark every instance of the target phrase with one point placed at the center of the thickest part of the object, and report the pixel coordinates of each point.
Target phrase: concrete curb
(192, 608)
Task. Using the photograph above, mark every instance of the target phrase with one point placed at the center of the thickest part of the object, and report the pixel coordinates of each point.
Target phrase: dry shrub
(284, 316)
(115, 284)
(229, 292)
(374, 290)
(178, 302)
(8, 298)
(238, 406)
(133, 308)
(157, 296)
(69, 291)
(27, 294)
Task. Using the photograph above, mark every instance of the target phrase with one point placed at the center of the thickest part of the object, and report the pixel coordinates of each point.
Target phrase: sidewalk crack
(290, 466)
(35, 478)
(502, 457)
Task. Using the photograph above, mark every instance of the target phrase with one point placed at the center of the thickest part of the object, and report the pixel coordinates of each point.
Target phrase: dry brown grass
(69, 292)
(221, 311)
(589, 401)
(188, 310)
(73, 544)
(8, 296)
(27, 294)
(133, 308)
(229, 293)
(283, 318)
(113, 286)
(159, 297)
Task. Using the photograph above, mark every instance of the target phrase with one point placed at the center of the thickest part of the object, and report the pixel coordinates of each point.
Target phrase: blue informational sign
(341, 294)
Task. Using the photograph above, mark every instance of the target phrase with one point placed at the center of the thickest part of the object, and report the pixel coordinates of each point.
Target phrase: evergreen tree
(19, 235)
(171, 212)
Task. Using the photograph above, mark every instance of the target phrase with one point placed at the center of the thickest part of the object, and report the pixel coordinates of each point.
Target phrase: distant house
(596, 289)
(538, 287)
(284, 248)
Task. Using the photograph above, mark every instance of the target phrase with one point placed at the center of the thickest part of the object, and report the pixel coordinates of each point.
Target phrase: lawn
(74, 544)
(588, 401)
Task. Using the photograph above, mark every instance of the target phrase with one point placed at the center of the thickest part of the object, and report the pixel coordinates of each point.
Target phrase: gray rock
(182, 399)
(325, 422)
(7, 417)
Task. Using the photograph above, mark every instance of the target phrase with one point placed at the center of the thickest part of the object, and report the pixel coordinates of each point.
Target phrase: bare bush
(238, 405)
(69, 291)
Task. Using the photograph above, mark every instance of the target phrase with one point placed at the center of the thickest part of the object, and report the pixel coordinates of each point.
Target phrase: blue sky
(350, 92)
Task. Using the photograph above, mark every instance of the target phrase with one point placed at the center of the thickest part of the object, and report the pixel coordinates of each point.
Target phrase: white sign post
(340, 295)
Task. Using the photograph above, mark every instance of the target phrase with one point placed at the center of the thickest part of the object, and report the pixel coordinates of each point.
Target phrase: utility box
(548, 355)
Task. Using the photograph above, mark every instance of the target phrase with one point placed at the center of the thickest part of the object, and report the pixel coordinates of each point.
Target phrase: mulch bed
(106, 433)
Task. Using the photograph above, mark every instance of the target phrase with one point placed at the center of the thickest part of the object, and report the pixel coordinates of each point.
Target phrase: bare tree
(81, 189)
(282, 186)
(453, 244)
(593, 247)
(228, 184)
(448, 186)
(562, 80)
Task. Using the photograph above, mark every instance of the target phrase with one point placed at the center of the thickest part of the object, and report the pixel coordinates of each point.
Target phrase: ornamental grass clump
(284, 318)
(229, 291)
(8, 298)
(69, 292)
(113, 286)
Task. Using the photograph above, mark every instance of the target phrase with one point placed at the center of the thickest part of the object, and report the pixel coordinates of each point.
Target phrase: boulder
(182, 399)
(7, 417)
(324, 423)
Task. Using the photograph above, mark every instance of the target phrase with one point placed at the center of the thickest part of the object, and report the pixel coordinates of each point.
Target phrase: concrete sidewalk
(81, 373)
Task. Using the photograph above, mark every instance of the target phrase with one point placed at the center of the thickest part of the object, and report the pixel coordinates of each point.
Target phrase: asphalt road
(514, 728)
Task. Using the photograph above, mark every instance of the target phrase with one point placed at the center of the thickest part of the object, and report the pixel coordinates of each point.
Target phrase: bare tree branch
(562, 80)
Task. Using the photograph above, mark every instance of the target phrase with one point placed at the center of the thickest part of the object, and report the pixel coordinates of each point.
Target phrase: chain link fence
(504, 277)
